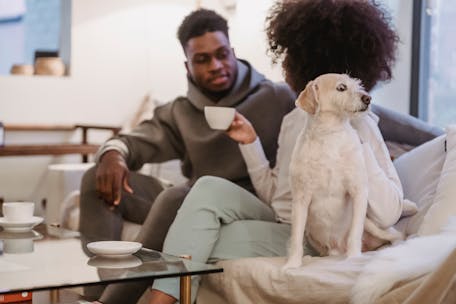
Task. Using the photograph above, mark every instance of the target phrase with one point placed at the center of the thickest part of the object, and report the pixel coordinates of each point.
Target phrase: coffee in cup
(18, 211)
(219, 118)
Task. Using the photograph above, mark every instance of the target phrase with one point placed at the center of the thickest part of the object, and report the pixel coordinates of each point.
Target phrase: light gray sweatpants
(220, 220)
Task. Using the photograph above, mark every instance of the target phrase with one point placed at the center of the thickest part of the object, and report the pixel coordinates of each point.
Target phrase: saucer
(23, 226)
(128, 261)
(113, 248)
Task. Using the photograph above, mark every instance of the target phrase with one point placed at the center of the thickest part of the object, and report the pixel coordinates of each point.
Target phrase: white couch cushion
(444, 203)
(419, 171)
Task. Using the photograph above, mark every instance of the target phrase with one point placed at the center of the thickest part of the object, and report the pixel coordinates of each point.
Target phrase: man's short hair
(200, 22)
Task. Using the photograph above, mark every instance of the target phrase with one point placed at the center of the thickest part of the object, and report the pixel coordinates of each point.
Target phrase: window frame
(420, 65)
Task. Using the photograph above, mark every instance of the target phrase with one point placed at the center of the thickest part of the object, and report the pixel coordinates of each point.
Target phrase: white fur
(408, 260)
(327, 171)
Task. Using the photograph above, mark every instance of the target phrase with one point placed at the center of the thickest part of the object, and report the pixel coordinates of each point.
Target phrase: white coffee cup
(18, 211)
(219, 118)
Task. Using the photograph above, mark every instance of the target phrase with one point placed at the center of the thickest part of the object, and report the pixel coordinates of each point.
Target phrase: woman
(220, 220)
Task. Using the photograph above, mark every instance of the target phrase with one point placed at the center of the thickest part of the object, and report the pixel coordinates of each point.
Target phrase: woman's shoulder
(366, 126)
(292, 124)
(368, 120)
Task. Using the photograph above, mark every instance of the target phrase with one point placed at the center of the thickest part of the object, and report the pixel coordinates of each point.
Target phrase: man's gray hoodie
(178, 130)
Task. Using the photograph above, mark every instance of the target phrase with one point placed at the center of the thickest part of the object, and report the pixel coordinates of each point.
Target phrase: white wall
(120, 51)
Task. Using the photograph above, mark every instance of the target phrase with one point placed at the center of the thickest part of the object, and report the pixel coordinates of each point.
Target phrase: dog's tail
(390, 234)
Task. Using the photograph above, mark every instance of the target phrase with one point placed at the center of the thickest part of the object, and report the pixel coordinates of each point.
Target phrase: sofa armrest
(403, 128)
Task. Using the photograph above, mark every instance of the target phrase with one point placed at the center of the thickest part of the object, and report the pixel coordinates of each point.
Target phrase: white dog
(328, 173)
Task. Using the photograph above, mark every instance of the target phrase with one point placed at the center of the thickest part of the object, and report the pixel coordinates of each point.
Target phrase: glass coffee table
(33, 261)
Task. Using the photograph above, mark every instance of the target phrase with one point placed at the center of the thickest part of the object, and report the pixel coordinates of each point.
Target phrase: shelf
(83, 148)
(51, 149)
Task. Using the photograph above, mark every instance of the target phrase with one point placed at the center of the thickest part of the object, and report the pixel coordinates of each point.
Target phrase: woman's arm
(263, 177)
(385, 189)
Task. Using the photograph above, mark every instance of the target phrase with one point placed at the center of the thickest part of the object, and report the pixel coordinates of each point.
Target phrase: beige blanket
(322, 280)
(437, 287)
(260, 280)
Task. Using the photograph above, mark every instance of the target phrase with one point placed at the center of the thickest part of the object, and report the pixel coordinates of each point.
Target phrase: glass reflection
(18, 242)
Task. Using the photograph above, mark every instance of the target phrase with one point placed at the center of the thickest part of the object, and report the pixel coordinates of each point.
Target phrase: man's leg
(161, 216)
(98, 221)
(152, 236)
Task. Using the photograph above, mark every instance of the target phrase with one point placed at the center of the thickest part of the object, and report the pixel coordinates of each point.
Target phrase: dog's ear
(307, 99)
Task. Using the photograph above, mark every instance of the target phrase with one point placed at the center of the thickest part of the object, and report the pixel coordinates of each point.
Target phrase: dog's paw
(409, 208)
(354, 247)
(352, 253)
(293, 262)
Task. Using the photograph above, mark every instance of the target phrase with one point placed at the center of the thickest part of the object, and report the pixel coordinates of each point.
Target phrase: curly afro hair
(314, 37)
(200, 22)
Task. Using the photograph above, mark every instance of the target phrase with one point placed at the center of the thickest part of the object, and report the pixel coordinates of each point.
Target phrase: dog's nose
(366, 99)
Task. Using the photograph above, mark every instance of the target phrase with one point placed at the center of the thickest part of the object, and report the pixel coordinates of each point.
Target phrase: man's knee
(88, 192)
(172, 198)
(88, 182)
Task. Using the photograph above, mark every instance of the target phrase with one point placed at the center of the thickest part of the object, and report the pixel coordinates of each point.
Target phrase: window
(28, 26)
(433, 95)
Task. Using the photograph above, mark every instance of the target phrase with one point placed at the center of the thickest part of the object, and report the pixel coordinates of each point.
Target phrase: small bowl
(22, 69)
(52, 66)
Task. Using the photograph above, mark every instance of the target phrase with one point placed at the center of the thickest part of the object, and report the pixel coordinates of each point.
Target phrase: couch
(332, 280)
(419, 270)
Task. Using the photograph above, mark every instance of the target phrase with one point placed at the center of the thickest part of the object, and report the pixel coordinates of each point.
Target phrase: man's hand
(111, 176)
(241, 130)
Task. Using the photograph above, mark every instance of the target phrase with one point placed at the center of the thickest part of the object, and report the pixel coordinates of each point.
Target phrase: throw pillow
(444, 204)
(419, 171)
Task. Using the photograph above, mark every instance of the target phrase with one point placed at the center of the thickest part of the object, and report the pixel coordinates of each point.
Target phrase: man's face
(211, 62)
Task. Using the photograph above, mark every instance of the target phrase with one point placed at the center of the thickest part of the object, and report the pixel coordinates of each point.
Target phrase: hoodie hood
(247, 80)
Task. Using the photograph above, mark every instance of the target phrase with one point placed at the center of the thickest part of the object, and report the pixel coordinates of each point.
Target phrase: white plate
(113, 248)
(24, 226)
(128, 261)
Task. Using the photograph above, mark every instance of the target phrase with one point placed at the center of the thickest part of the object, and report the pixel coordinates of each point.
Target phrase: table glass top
(34, 261)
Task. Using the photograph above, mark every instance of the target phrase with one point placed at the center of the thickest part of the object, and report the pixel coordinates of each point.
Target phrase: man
(178, 130)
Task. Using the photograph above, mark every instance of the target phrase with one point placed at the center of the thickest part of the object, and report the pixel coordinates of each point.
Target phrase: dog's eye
(341, 87)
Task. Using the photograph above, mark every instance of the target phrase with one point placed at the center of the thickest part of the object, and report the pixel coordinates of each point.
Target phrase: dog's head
(334, 93)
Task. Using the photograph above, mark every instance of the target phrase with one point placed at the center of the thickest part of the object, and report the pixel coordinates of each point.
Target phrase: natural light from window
(441, 79)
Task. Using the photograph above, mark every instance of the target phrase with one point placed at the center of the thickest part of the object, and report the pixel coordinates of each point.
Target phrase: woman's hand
(241, 130)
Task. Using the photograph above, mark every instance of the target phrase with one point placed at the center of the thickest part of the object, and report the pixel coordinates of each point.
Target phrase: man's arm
(154, 140)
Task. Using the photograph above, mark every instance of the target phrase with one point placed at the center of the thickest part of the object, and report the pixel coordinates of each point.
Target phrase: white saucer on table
(127, 261)
(22, 226)
(113, 249)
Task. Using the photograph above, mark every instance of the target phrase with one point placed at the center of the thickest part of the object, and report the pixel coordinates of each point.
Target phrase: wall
(121, 52)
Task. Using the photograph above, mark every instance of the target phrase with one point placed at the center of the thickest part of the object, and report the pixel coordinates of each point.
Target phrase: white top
(273, 187)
